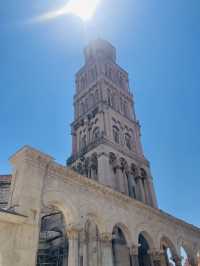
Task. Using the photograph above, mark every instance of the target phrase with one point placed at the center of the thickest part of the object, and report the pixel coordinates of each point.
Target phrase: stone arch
(58, 200)
(96, 219)
(145, 246)
(148, 237)
(143, 173)
(167, 242)
(53, 244)
(116, 134)
(126, 232)
(169, 249)
(188, 249)
(92, 242)
(134, 169)
(120, 247)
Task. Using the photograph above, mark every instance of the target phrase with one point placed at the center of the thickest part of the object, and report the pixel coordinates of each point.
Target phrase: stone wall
(41, 182)
(5, 182)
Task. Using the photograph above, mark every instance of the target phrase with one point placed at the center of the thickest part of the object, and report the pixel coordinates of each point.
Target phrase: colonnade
(108, 249)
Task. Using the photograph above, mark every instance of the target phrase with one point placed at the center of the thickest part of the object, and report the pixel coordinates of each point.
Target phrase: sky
(157, 42)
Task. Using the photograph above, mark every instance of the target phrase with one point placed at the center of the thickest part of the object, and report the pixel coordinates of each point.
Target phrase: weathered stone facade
(106, 132)
(56, 216)
(5, 182)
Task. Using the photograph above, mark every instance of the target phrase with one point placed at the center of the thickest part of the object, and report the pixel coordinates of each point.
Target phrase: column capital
(156, 254)
(134, 250)
(72, 232)
(106, 237)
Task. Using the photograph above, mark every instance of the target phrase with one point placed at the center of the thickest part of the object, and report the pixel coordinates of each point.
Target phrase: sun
(84, 9)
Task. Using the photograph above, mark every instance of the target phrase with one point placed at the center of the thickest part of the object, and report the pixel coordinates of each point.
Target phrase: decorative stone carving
(72, 232)
(113, 161)
(106, 238)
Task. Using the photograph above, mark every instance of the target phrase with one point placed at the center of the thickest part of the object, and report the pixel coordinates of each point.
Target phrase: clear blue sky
(157, 43)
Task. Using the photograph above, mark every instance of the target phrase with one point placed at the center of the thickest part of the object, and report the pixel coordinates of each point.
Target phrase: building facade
(100, 210)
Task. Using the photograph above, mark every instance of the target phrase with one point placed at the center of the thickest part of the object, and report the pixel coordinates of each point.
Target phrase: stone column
(74, 143)
(85, 253)
(192, 261)
(106, 249)
(104, 170)
(163, 258)
(156, 257)
(134, 255)
(140, 189)
(73, 237)
(152, 195)
(130, 184)
(126, 184)
(119, 179)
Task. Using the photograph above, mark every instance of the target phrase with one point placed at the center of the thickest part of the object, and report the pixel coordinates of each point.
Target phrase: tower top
(99, 49)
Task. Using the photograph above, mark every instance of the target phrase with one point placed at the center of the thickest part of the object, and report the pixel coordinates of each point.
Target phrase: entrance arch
(189, 258)
(169, 251)
(144, 257)
(121, 252)
(53, 243)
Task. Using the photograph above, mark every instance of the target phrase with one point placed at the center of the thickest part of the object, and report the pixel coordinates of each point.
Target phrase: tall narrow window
(116, 134)
(96, 96)
(128, 141)
(86, 104)
(109, 98)
(96, 134)
(83, 142)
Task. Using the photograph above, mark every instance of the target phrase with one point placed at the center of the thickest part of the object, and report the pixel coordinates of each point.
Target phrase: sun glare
(84, 9)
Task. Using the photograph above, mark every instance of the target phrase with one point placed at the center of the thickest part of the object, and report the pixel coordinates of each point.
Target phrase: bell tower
(106, 134)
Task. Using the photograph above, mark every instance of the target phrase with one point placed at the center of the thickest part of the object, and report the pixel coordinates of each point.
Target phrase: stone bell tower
(105, 131)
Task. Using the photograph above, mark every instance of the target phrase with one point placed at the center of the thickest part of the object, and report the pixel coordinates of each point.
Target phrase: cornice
(115, 195)
(27, 152)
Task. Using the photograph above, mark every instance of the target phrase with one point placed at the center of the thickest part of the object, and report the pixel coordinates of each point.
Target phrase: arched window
(94, 167)
(96, 134)
(83, 142)
(82, 83)
(114, 101)
(128, 141)
(143, 252)
(169, 251)
(109, 97)
(86, 104)
(121, 254)
(96, 96)
(134, 170)
(91, 100)
(53, 244)
(116, 135)
(82, 108)
(125, 108)
(143, 173)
